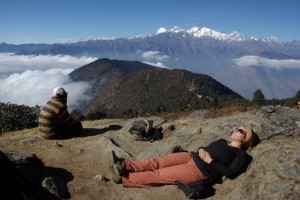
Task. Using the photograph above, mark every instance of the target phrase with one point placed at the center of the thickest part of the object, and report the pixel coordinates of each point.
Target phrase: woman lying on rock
(220, 158)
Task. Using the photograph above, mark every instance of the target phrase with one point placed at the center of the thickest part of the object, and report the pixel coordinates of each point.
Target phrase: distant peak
(177, 29)
(271, 39)
(236, 36)
(206, 32)
(161, 30)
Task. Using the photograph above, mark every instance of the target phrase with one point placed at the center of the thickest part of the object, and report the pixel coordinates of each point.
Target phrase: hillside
(158, 90)
(105, 73)
(131, 87)
(81, 163)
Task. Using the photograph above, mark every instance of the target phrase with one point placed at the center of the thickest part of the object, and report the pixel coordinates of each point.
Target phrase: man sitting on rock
(55, 121)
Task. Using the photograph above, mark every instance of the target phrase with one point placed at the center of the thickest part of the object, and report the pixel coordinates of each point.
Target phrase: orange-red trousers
(162, 170)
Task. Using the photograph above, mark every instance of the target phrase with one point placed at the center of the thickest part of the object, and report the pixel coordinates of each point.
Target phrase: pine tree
(258, 97)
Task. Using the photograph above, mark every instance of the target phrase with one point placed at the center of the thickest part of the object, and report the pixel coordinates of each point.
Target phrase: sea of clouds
(30, 80)
(250, 61)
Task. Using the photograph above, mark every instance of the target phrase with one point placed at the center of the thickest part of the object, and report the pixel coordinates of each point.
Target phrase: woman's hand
(201, 153)
(204, 155)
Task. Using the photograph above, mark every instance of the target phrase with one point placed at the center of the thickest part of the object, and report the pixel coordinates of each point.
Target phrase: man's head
(59, 91)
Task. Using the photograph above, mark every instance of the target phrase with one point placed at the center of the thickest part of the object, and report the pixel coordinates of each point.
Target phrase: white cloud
(154, 55)
(157, 64)
(11, 63)
(29, 80)
(248, 61)
(154, 58)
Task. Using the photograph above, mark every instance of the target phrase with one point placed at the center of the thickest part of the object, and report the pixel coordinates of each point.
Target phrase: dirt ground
(83, 160)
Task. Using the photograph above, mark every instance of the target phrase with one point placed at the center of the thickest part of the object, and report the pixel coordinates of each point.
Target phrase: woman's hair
(252, 142)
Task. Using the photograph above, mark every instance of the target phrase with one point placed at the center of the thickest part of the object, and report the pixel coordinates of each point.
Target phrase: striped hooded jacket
(53, 116)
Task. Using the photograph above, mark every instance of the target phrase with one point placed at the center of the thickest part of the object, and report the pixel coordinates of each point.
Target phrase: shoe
(115, 158)
(117, 167)
(115, 176)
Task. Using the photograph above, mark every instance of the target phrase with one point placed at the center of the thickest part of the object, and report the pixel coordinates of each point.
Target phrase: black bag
(192, 190)
(197, 189)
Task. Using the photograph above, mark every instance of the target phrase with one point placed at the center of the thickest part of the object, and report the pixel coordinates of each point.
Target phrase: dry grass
(212, 113)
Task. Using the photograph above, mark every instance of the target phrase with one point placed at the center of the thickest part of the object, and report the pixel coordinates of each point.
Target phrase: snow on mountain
(177, 29)
(194, 32)
(100, 38)
(235, 36)
(90, 38)
(207, 32)
(161, 30)
(271, 39)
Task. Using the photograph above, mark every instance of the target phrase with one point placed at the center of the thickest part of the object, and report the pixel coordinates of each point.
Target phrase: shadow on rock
(56, 181)
(94, 131)
(209, 192)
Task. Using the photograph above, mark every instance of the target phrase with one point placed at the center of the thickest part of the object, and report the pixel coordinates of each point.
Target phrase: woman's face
(238, 134)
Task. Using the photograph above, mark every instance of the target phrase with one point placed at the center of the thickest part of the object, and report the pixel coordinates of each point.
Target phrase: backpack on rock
(143, 130)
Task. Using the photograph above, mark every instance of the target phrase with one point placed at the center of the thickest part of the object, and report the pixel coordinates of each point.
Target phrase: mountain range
(242, 63)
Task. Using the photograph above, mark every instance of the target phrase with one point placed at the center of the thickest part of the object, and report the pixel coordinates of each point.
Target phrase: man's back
(53, 115)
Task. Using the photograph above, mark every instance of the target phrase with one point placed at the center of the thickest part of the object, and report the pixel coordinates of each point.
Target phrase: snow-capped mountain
(207, 32)
(195, 32)
(240, 62)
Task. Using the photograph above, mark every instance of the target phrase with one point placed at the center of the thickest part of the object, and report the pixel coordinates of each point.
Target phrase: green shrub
(95, 115)
(77, 115)
(17, 117)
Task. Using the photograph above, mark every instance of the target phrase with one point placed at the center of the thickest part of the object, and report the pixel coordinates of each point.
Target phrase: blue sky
(50, 21)
(53, 21)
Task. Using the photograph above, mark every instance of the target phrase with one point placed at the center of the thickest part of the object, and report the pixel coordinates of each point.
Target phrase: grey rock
(56, 186)
(101, 178)
(268, 109)
(110, 145)
(31, 139)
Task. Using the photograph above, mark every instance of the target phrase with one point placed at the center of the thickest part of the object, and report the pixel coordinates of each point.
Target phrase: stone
(56, 186)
